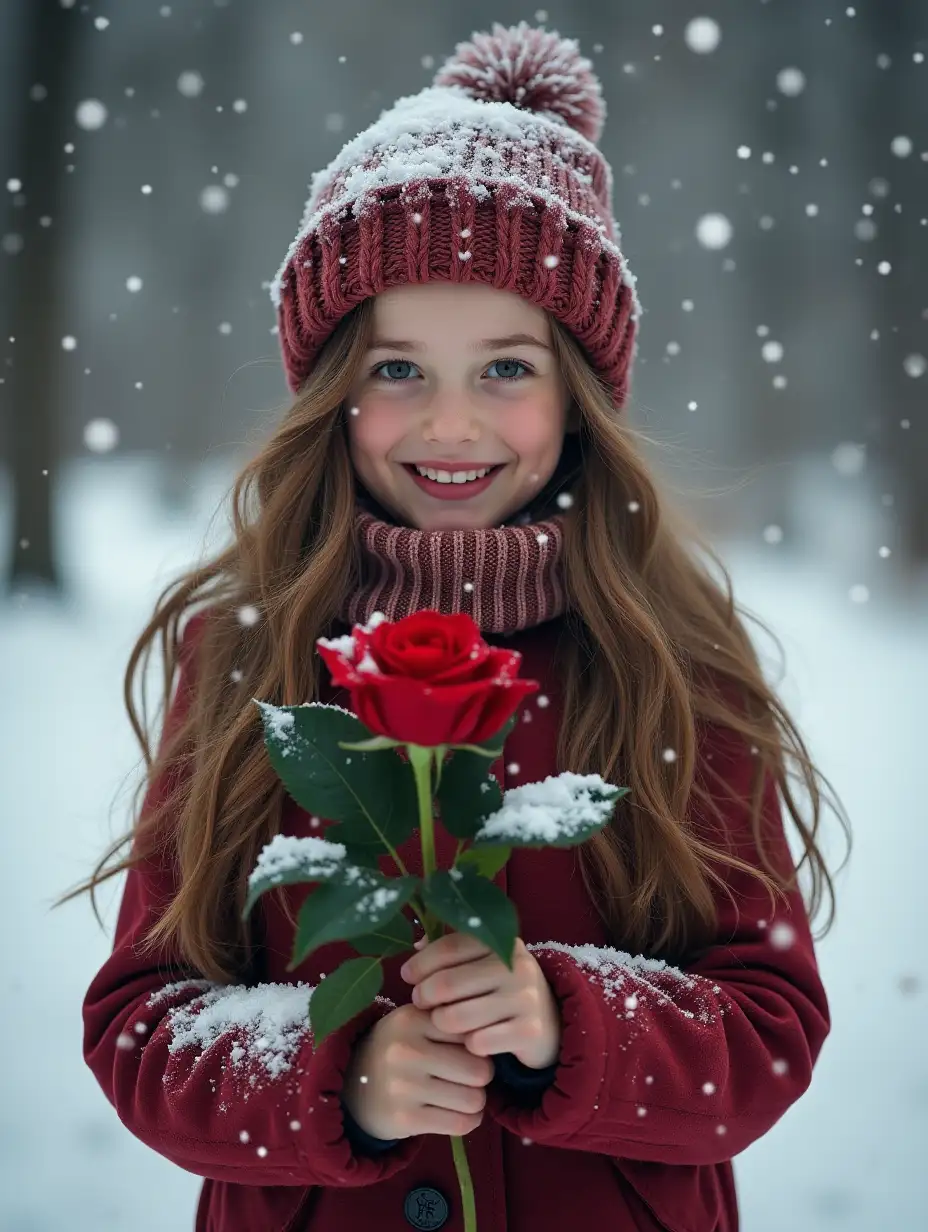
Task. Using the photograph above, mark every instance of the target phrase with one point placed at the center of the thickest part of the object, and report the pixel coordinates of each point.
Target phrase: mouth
(452, 491)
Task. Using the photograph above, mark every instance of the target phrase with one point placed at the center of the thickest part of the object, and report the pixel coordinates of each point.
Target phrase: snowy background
(770, 182)
(849, 1155)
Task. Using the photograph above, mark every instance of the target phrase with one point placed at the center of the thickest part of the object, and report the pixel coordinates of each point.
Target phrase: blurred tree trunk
(895, 106)
(49, 39)
(199, 247)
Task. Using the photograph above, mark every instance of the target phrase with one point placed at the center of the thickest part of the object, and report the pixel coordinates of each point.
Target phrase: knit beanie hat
(491, 175)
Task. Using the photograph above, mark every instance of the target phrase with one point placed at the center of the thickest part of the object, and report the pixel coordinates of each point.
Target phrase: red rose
(428, 679)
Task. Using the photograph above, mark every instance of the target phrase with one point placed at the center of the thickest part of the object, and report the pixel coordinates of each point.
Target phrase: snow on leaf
(311, 857)
(558, 808)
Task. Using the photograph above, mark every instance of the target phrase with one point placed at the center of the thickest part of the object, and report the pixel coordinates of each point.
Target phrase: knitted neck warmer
(507, 578)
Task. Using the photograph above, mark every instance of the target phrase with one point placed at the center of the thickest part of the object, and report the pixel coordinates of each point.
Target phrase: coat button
(426, 1208)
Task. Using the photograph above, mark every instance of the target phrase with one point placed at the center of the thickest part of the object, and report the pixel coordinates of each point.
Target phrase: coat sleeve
(223, 1080)
(686, 1066)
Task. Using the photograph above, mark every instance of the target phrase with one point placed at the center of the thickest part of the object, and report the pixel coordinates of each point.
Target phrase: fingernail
(420, 943)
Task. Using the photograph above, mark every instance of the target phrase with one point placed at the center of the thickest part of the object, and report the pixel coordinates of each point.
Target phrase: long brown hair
(665, 639)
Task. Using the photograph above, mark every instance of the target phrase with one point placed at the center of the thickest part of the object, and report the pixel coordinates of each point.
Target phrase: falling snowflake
(782, 936)
(214, 199)
(101, 435)
(190, 84)
(791, 81)
(91, 114)
(702, 35)
(714, 231)
(848, 459)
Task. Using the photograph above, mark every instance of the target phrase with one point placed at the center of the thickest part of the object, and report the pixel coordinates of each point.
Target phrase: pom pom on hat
(534, 70)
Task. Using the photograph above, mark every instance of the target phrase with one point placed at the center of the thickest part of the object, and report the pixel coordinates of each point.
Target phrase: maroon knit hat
(490, 175)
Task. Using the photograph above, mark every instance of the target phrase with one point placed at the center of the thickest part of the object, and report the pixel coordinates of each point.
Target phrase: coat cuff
(361, 1141)
(569, 1100)
(509, 1070)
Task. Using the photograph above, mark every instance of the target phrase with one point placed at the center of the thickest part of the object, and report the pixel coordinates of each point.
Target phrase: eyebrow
(485, 344)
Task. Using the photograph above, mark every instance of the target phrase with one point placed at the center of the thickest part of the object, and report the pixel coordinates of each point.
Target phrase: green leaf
(336, 912)
(529, 816)
(493, 747)
(471, 904)
(394, 937)
(342, 994)
(497, 741)
(365, 855)
(467, 793)
(374, 797)
(486, 860)
(302, 862)
(374, 745)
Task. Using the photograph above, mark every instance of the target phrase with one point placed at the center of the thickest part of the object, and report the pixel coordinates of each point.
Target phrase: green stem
(422, 759)
(465, 1183)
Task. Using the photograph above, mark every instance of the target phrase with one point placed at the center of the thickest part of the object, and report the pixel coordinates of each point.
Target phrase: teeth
(453, 476)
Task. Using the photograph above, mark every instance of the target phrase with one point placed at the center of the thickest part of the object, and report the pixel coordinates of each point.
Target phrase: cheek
(375, 430)
(535, 428)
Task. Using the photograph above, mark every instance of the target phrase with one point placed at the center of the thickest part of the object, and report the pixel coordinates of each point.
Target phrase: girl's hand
(470, 991)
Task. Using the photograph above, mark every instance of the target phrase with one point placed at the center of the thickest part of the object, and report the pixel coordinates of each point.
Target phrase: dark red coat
(664, 1075)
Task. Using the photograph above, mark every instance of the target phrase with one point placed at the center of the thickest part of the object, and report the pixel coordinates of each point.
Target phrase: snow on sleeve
(625, 978)
(268, 1022)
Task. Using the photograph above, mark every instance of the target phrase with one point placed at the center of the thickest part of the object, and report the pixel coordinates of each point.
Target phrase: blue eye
(394, 376)
(398, 371)
(509, 363)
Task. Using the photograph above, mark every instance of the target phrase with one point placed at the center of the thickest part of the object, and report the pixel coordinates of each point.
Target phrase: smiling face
(459, 376)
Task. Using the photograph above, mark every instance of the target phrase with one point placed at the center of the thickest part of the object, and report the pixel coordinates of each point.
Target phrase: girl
(457, 324)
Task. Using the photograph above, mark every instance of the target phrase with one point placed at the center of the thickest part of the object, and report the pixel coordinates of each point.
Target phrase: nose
(451, 419)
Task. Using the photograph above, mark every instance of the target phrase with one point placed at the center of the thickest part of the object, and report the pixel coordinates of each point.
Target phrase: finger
(445, 951)
(441, 1037)
(496, 1038)
(464, 1017)
(458, 983)
(453, 1096)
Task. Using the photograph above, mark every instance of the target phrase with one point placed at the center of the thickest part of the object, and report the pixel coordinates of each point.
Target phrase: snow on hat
(490, 175)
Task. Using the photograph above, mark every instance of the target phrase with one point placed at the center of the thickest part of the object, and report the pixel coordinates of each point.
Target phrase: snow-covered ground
(849, 1155)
